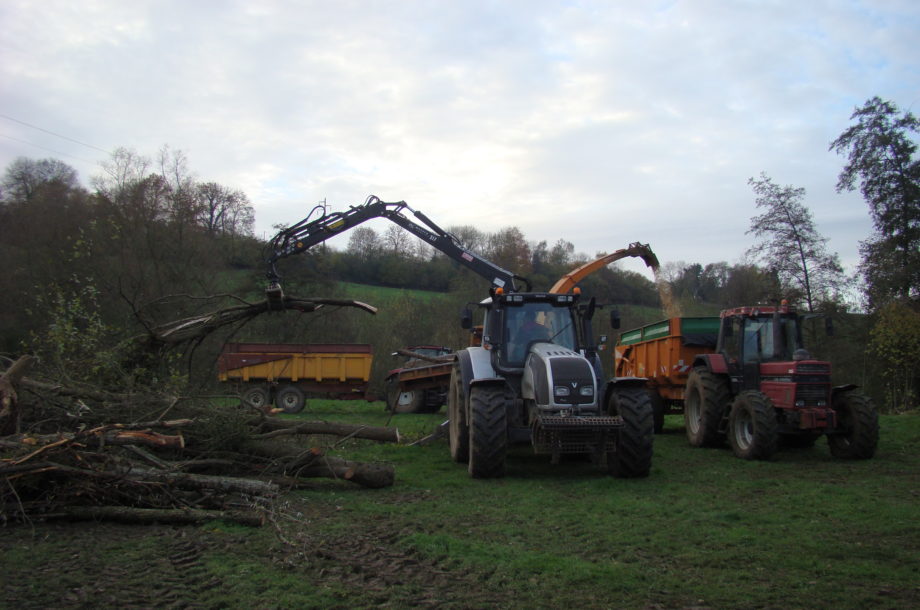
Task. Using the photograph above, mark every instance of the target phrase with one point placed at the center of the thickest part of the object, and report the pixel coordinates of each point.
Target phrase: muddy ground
(92, 565)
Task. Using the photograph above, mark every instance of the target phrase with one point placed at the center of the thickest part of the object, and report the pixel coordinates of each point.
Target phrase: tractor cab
(751, 335)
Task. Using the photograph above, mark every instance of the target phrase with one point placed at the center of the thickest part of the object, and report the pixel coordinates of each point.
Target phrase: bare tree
(24, 176)
(790, 245)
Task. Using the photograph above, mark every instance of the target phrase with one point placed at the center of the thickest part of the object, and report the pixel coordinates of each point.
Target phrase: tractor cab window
(758, 339)
(534, 322)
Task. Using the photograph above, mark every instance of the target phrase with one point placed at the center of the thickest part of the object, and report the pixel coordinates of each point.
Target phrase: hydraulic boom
(319, 226)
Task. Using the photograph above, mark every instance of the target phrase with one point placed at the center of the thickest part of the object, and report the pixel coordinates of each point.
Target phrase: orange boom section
(663, 352)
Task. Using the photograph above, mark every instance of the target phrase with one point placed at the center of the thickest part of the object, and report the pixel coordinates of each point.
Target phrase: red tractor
(761, 387)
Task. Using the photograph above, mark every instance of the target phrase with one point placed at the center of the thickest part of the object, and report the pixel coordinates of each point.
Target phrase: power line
(57, 152)
(57, 135)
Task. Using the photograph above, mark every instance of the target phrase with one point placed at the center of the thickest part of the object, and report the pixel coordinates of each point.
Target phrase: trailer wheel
(459, 437)
(290, 399)
(632, 457)
(857, 417)
(752, 428)
(255, 397)
(488, 432)
(706, 399)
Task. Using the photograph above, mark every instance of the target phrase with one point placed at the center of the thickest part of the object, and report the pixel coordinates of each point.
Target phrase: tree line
(148, 240)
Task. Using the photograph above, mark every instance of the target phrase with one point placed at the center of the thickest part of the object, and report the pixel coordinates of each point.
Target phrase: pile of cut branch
(64, 455)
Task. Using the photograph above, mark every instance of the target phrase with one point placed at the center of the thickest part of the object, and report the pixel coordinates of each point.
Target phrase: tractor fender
(475, 365)
(840, 389)
(715, 363)
(622, 382)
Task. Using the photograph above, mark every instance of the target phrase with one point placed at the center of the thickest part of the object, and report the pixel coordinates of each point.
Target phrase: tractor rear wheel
(459, 433)
(290, 399)
(488, 432)
(706, 400)
(752, 428)
(857, 416)
(633, 455)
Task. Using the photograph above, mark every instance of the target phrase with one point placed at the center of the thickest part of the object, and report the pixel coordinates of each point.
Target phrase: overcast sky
(598, 122)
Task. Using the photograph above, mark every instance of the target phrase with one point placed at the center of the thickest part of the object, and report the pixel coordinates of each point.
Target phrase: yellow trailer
(284, 373)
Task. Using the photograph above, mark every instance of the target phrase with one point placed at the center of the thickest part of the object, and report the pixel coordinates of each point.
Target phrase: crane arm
(319, 226)
(568, 281)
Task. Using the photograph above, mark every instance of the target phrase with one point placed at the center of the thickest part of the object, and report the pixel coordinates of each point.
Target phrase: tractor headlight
(561, 390)
(586, 390)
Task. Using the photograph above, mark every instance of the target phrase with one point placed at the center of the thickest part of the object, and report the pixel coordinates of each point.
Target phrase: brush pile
(76, 450)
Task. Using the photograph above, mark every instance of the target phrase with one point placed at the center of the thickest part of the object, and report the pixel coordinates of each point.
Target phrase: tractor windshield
(759, 340)
(534, 322)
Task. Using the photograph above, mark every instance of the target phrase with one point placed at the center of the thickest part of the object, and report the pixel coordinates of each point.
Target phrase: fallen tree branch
(278, 427)
(127, 514)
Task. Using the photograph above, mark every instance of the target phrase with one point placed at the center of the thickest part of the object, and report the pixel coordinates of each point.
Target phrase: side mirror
(615, 319)
(466, 318)
(829, 326)
(727, 327)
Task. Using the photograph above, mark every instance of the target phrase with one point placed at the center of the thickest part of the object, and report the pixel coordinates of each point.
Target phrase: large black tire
(635, 443)
(752, 429)
(658, 408)
(256, 397)
(458, 431)
(857, 416)
(707, 399)
(488, 432)
(290, 399)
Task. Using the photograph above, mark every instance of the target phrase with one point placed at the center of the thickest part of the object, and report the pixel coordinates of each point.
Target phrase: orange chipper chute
(570, 279)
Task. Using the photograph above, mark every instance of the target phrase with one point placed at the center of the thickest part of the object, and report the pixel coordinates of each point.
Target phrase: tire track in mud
(375, 564)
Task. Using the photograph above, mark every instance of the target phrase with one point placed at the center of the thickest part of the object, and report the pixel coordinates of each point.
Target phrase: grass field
(704, 530)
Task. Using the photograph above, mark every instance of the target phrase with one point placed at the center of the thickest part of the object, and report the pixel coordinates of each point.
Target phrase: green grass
(383, 294)
(705, 528)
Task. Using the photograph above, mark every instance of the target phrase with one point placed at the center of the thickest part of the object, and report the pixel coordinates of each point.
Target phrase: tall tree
(24, 176)
(789, 244)
(880, 160)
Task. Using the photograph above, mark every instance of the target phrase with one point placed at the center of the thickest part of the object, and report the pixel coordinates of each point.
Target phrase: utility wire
(57, 152)
(57, 135)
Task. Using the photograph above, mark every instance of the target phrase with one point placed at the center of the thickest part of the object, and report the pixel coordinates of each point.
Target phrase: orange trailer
(663, 353)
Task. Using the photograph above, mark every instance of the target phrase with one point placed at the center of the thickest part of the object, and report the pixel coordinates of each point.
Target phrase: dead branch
(195, 327)
(128, 514)
(277, 427)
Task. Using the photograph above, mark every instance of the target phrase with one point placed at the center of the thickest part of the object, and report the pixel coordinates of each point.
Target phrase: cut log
(126, 514)
(10, 413)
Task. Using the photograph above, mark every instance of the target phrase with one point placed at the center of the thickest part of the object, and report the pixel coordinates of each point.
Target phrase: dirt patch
(88, 565)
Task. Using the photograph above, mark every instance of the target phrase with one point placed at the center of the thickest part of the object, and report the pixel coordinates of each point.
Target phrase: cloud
(593, 122)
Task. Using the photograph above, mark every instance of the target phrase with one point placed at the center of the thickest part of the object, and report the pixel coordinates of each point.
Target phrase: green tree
(789, 244)
(895, 344)
(880, 160)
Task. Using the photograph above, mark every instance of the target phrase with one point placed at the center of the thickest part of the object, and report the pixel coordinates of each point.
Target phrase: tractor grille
(822, 368)
(812, 394)
(558, 435)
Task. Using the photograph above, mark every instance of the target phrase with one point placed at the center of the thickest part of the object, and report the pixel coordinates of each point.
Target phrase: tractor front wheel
(633, 455)
(752, 428)
(488, 432)
(857, 417)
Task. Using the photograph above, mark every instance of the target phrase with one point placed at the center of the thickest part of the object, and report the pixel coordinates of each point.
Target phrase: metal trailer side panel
(659, 352)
